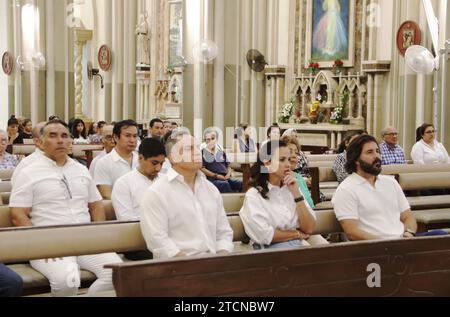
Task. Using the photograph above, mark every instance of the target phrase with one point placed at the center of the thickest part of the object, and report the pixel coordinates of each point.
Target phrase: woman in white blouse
(428, 150)
(275, 214)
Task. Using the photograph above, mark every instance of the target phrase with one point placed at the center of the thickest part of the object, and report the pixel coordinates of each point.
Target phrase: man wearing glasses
(215, 165)
(56, 190)
(391, 152)
(108, 144)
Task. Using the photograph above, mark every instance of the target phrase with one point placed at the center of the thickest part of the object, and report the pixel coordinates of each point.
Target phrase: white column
(369, 103)
(219, 64)
(377, 103)
(50, 57)
(18, 51)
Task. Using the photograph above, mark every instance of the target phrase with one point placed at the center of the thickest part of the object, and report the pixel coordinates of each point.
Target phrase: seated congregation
(167, 196)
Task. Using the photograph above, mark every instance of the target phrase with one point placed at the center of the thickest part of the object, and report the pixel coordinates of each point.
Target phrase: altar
(322, 134)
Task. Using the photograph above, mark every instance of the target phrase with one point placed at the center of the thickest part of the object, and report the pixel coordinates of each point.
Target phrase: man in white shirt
(121, 160)
(56, 190)
(37, 133)
(183, 213)
(368, 205)
(108, 144)
(129, 189)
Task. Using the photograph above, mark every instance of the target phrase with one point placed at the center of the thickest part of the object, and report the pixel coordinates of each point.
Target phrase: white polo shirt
(422, 153)
(94, 162)
(127, 195)
(111, 167)
(174, 218)
(24, 163)
(378, 208)
(262, 217)
(56, 195)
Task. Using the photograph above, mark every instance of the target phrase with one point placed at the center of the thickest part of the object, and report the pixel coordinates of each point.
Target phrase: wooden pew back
(333, 270)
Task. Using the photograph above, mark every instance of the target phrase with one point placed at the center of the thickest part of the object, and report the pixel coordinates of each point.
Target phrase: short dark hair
(354, 151)
(55, 121)
(151, 148)
(123, 125)
(273, 127)
(156, 120)
(420, 132)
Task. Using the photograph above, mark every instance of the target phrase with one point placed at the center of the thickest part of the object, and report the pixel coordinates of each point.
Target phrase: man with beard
(368, 205)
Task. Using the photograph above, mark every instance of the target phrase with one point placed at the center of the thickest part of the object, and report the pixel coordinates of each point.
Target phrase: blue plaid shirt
(392, 155)
(9, 162)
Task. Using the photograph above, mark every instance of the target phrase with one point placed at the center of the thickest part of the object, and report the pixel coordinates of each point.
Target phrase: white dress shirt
(56, 195)
(175, 219)
(127, 195)
(94, 162)
(262, 217)
(24, 163)
(377, 209)
(422, 153)
(112, 166)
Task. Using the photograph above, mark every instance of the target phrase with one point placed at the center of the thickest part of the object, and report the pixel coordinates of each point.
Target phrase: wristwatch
(411, 232)
(299, 199)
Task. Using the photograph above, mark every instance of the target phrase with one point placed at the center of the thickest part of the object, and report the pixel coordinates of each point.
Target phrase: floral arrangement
(338, 63)
(336, 115)
(287, 110)
(313, 67)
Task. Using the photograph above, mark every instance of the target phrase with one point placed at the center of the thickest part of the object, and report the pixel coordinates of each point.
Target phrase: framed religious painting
(330, 32)
(104, 58)
(408, 35)
(175, 32)
(7, 63)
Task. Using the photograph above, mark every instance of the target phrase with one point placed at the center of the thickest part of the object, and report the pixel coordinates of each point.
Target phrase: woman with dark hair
(341, 159)
(79, 132)
(428, 150)
(243, 142)
(275, 214)
(27, 129)
(14, 136)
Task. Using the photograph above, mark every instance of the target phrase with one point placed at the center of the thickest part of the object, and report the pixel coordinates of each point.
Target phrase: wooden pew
(245, 160)
(416, 267)
(5, 175)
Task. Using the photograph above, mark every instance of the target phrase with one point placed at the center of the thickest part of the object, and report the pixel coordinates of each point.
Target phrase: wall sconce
(91, 72)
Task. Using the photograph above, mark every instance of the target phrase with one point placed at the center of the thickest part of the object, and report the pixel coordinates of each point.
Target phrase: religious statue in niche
(7, 63)
(143, 42)
(314, 109)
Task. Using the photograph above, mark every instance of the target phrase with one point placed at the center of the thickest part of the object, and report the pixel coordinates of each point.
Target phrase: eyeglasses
(108, 137)
(211, 139)
(431, 132)
(66, 185)
(392, 134)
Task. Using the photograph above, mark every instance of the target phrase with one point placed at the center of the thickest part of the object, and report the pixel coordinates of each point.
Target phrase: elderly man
(30, 158)
(56, 190)
(108, 144)
(193, 223)
(391, 152)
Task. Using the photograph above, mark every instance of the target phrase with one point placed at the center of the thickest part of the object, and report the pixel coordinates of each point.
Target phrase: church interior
(321, 69)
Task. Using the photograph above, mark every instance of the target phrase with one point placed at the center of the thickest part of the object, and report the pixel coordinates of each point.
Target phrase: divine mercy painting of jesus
(330, 30)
